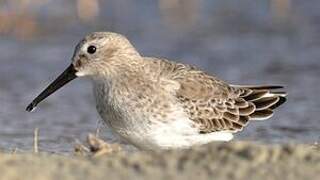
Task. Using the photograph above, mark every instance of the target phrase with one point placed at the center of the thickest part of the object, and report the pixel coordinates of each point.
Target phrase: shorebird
(155, 103)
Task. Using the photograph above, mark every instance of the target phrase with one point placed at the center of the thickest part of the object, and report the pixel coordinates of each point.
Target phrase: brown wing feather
(216, 106)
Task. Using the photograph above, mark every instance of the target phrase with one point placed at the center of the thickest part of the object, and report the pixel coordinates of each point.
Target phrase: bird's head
(98, 54)
(102, 51)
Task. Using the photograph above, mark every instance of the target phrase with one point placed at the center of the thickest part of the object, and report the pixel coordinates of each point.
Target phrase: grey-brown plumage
(158, 104)
(215, 105)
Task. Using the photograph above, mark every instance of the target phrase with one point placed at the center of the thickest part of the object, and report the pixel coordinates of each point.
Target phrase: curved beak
(68, 75)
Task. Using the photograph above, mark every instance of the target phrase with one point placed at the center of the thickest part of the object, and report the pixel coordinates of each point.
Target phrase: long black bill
(68, 75)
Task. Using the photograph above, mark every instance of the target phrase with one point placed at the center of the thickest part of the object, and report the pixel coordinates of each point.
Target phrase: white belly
(181, 134)
(151, 134)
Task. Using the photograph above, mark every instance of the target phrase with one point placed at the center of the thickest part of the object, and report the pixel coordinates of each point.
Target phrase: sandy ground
(237, 160)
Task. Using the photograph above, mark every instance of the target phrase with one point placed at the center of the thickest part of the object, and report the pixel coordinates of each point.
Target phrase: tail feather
(280, 93)
(280, 102)
(256, 95)
(265, 102)
(264, 98)
(260, 87)
(261, 115)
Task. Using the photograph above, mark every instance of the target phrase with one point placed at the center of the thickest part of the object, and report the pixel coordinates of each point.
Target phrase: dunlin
(159, 104)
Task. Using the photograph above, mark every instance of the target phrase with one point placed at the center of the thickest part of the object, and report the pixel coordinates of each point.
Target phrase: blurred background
(242, 42)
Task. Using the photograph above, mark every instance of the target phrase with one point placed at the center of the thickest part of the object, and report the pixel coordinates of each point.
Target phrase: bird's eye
(91, 49)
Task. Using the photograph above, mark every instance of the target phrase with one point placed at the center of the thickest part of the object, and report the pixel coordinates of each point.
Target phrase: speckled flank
(158, 104)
